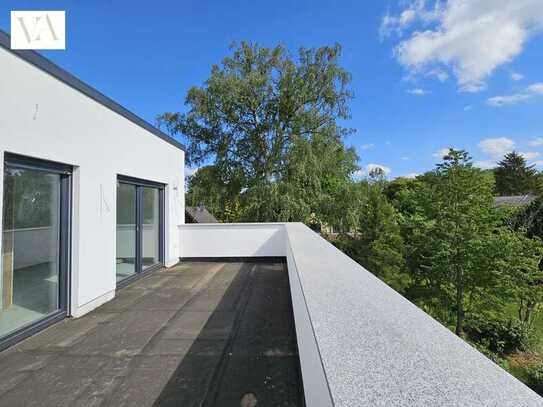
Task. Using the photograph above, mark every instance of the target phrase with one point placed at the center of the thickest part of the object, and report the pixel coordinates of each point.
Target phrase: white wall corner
(91, 305)
(171, 262)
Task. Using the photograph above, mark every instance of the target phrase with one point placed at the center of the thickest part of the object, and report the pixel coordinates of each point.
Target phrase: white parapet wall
(360, 342)
(232, 240)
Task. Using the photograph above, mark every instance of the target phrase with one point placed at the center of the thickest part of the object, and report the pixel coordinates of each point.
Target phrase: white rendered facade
(42, 116)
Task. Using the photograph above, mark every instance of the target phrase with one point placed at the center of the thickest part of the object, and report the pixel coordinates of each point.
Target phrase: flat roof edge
(41, 62)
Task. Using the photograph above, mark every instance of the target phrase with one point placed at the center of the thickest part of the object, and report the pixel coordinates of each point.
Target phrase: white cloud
(499, 101)
(530, 155)
(535, 89)
(470, 37)
(367, 146)
(538, 163)
(468, 107)
(411, 175)
(396, 24)
(442, 152)
(496, 146)
(538, 141)
(404, 158)
(516, 76)
(439, 74)
(484, 164)
(417, 91)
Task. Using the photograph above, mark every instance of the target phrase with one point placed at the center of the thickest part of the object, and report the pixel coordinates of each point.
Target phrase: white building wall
(42, 117)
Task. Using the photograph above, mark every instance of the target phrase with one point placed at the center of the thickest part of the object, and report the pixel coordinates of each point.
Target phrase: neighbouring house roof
(57, 72)
(514, 200)
(199, 214)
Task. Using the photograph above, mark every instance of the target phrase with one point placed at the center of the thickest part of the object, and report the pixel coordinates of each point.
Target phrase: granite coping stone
(379, 349)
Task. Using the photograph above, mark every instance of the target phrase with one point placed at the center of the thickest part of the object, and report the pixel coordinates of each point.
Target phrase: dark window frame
(65, 247)
(139, 184)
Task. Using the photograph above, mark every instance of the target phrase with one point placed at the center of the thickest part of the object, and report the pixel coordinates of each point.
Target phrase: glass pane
(150, 249)
(126, 230)
(30, 247)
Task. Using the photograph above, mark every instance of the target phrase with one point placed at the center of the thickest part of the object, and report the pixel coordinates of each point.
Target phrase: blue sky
(464, 74)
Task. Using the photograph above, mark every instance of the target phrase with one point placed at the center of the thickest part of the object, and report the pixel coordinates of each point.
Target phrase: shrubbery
(499, 335)
(534, 375)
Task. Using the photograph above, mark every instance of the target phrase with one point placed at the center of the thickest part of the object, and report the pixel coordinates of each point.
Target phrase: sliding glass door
(151, 226)
(139, 226)
(34, 243)
(126, 230)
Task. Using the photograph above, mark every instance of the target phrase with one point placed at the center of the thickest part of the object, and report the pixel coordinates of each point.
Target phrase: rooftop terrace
(196, 334)
(322, 330)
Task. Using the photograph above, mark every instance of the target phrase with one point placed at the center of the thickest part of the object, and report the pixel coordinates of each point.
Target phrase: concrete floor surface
(198, 334)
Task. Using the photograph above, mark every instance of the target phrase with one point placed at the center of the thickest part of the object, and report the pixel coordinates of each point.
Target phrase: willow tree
(258, 109)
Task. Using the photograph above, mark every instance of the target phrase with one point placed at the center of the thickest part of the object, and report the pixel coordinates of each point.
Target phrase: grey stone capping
(316, 389)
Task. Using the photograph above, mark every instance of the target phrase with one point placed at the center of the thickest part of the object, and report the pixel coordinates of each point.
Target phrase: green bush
(534, 374)
(499, 335)
(493, 356)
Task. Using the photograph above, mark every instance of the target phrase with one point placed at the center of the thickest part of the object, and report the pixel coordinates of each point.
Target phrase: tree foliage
(375, 240)
(455, 224)
(265, 129)
(514, 176)
(269, 124)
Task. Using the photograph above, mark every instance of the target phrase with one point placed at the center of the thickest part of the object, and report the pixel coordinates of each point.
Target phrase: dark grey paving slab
(67, 332)
(190, 325)
(103, 384)
(23, 364)
(124, 301)
(170, 298)
(147, 377)
(168, 347)
(193, 378)
(212, 299)
(186, 325)
(124, 336)
(59, 383)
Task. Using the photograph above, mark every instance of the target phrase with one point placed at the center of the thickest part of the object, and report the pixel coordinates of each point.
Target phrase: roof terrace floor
(197, 334)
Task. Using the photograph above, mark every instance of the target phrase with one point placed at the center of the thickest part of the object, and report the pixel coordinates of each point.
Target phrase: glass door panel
(150, 227)
(139, 226)
(126, 230)
(30, 280)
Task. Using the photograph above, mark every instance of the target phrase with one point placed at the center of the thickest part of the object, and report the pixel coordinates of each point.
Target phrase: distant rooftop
(514, 200)
(199, 214)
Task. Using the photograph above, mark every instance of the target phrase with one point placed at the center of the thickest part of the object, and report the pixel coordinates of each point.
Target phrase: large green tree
(269, 123)
(514, 176)
(453, 242)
